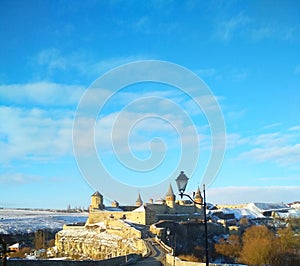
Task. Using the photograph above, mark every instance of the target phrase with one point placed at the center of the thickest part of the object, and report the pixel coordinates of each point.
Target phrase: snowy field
(14, 221)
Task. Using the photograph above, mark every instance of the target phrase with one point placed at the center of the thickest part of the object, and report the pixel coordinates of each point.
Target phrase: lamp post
(172, 243)
(181, 182)
(4, 251)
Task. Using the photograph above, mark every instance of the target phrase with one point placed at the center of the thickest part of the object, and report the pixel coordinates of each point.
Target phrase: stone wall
(178, 262)
(136, 217)
(145, 216)
(110, 262)
(161, 209)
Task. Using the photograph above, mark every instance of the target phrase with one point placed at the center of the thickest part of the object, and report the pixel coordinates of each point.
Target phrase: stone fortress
(147, 213)
(115, 230)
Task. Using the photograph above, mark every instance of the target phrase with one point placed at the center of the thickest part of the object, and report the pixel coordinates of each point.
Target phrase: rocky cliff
(98, 241)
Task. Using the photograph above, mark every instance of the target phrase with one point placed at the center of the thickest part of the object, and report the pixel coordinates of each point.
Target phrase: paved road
(157, 256)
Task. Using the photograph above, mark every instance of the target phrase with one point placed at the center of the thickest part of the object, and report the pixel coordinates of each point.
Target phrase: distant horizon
(216, 192)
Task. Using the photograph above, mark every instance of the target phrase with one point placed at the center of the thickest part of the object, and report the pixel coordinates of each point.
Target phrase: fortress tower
(96, 201)
(170, 198)
(198, 198)
(139, 201)
(115, 204)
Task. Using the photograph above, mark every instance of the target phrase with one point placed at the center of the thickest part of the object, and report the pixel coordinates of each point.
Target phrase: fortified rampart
(110, 262)
(170, 261)
(141, 215)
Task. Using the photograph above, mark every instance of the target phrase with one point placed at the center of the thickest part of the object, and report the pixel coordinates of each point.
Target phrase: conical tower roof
(198, 197)
(198, 194)
(139, 199)
(170, 192)
(97, 194)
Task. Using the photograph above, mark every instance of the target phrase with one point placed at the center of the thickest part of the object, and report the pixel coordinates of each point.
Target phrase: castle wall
(109, 262)
(136, 217)
(158, 208)
(188, 209)
(161, 209)
(170, 261)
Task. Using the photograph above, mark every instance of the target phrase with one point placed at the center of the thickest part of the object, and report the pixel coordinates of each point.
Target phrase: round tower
(115, 204)
(96, 201)
(170, 197)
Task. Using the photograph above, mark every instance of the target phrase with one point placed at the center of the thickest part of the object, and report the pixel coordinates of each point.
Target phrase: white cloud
(288, 178)
(206, 72)
(271, 126)
(261, 33)
(240, 75)
(244, 194)
(105, 65)
(279, 148)
(271, 140)
(39, 120)
(283, 156)
(41, 93)
(229, 26)
(235, 115)
(34, 134)
(18, 178)
(253, 29)
(294, 128)
(137, 129)
(52, 58)
(234, 140)
(50, 61)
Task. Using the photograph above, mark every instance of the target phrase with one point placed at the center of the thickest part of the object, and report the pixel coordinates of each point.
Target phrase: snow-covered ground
(14, 221)
(256, 210)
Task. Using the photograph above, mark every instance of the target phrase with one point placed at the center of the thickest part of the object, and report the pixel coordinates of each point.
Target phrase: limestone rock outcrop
(98, 241)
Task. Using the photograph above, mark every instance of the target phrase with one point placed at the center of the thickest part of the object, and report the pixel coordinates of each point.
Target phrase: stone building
(147, 213)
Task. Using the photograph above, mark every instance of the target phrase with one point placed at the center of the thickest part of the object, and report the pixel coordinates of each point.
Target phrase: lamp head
(181, 182)
(168, 231)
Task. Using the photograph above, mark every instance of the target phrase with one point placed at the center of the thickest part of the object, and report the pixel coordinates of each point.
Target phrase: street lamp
(181, 182)
(4, 251)
(172, 243)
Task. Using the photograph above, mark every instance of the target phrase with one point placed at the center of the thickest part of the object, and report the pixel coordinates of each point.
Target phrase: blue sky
(247, 52)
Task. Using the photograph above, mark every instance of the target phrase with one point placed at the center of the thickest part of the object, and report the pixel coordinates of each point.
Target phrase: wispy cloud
(234, 140)
(234, 194)
(206, 72)
(41, 120)
(283, 156)
(18, 178)
(294, 128)
(239, 75)
(261, 33)
(228, 27)
(139, 129)
(34, 134)
(273, 125)
(52, 59)
(247, 27)
(279, 148)
(45, 94)
(49, 62)
(282, 178)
